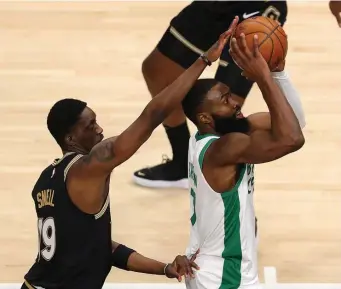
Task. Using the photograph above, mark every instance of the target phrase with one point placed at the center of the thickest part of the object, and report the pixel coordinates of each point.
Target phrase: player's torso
(223, 223)
(74, 247)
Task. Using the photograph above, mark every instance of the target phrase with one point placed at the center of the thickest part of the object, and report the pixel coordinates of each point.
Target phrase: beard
(224, 125)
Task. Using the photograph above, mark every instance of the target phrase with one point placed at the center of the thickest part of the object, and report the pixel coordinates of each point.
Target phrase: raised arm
(285, 135)
(108, 154)
(86, 176)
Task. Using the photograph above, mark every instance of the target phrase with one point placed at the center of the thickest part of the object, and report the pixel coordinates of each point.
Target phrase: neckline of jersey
(199, 136)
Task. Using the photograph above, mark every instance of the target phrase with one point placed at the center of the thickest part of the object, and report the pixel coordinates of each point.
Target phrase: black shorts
(26, 286)
(199, 25)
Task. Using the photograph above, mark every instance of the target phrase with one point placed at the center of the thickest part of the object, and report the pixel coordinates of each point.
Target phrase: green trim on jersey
(232, 253)
(199, 136)
(203, 151)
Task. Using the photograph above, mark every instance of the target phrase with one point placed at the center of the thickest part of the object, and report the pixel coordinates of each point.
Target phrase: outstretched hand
(216, 49)
(182, 266)
(252, 62)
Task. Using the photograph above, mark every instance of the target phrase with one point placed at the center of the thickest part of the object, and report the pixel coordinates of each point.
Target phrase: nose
(99, 130)
(234, 103)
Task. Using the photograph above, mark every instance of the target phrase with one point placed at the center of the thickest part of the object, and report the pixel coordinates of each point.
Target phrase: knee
(159, 71)
(151, 73)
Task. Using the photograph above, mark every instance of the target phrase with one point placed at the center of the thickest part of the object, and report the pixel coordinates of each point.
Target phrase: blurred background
(93, 51)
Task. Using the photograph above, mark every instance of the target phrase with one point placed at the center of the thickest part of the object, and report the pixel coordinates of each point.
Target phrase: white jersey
(222, 226)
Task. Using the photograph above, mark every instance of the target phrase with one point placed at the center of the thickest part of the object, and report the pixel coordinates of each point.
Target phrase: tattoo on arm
(103, 153)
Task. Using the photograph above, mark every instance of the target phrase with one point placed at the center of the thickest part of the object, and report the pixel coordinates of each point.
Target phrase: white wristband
(164, 269)
(291, 94)
(279, 74)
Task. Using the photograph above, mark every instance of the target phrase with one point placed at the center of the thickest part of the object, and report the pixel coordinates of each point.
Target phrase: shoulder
(76, 168)
(229, 141)
(226, 149)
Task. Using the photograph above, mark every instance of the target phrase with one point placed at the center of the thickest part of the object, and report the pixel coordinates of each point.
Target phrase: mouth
(239, 114)
(101, 137)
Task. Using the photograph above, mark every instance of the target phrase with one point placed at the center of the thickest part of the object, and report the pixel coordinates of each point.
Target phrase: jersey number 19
(47, 238)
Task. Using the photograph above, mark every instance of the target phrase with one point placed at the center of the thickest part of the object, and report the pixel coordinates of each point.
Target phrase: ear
(68, 140)
(204, 118)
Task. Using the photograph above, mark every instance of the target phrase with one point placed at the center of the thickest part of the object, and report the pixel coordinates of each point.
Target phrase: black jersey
(74, 247)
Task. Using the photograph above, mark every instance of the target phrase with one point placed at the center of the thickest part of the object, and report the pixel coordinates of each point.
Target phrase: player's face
(225, 111)
(87, 132)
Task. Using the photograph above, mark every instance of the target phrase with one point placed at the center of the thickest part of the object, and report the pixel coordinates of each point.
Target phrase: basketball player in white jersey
(221, 162)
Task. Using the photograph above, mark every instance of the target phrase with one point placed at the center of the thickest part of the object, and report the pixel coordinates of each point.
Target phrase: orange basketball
(272, 39)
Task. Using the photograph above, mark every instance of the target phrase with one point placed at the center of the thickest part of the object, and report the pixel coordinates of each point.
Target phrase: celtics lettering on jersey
(250, 178)
(193, 177)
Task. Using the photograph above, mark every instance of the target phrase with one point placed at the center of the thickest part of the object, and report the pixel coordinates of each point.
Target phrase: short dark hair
(62, 116)
(196, 96)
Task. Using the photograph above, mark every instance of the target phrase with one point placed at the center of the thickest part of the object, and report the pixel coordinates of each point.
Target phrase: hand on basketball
(215, 51)
(280, 67)
(335, 8)
(252, 63)
(182, 266)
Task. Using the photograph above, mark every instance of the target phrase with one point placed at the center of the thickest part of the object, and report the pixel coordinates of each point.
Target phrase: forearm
(284, 123)
(111, 152)
(171, 96)
(128, 259)
(291, 94)
(141, 264)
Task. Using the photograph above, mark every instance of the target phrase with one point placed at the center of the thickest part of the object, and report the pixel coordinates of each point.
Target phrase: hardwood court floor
(94, 51)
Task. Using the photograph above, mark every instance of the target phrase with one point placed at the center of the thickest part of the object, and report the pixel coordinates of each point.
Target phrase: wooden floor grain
(94, 51)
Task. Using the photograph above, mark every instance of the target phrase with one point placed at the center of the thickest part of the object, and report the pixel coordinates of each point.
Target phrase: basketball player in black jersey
(71, 196)
(190, 32)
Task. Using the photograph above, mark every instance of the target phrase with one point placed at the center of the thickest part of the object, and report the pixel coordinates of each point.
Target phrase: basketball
(272, 39)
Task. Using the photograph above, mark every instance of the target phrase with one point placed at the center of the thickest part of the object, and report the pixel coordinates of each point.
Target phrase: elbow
(295, 142)
(298, 141)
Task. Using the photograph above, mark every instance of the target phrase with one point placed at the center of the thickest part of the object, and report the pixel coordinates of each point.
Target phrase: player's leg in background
(190, 33)
(26, 286)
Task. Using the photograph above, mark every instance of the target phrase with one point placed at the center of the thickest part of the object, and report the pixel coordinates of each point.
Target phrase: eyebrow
(223, 94)
(91, 122)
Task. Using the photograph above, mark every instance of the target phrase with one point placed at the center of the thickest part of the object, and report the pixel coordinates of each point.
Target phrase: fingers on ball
(272, 41)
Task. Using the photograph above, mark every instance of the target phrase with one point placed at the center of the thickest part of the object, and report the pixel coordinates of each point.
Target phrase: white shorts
(205, 281)
(210, 276)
